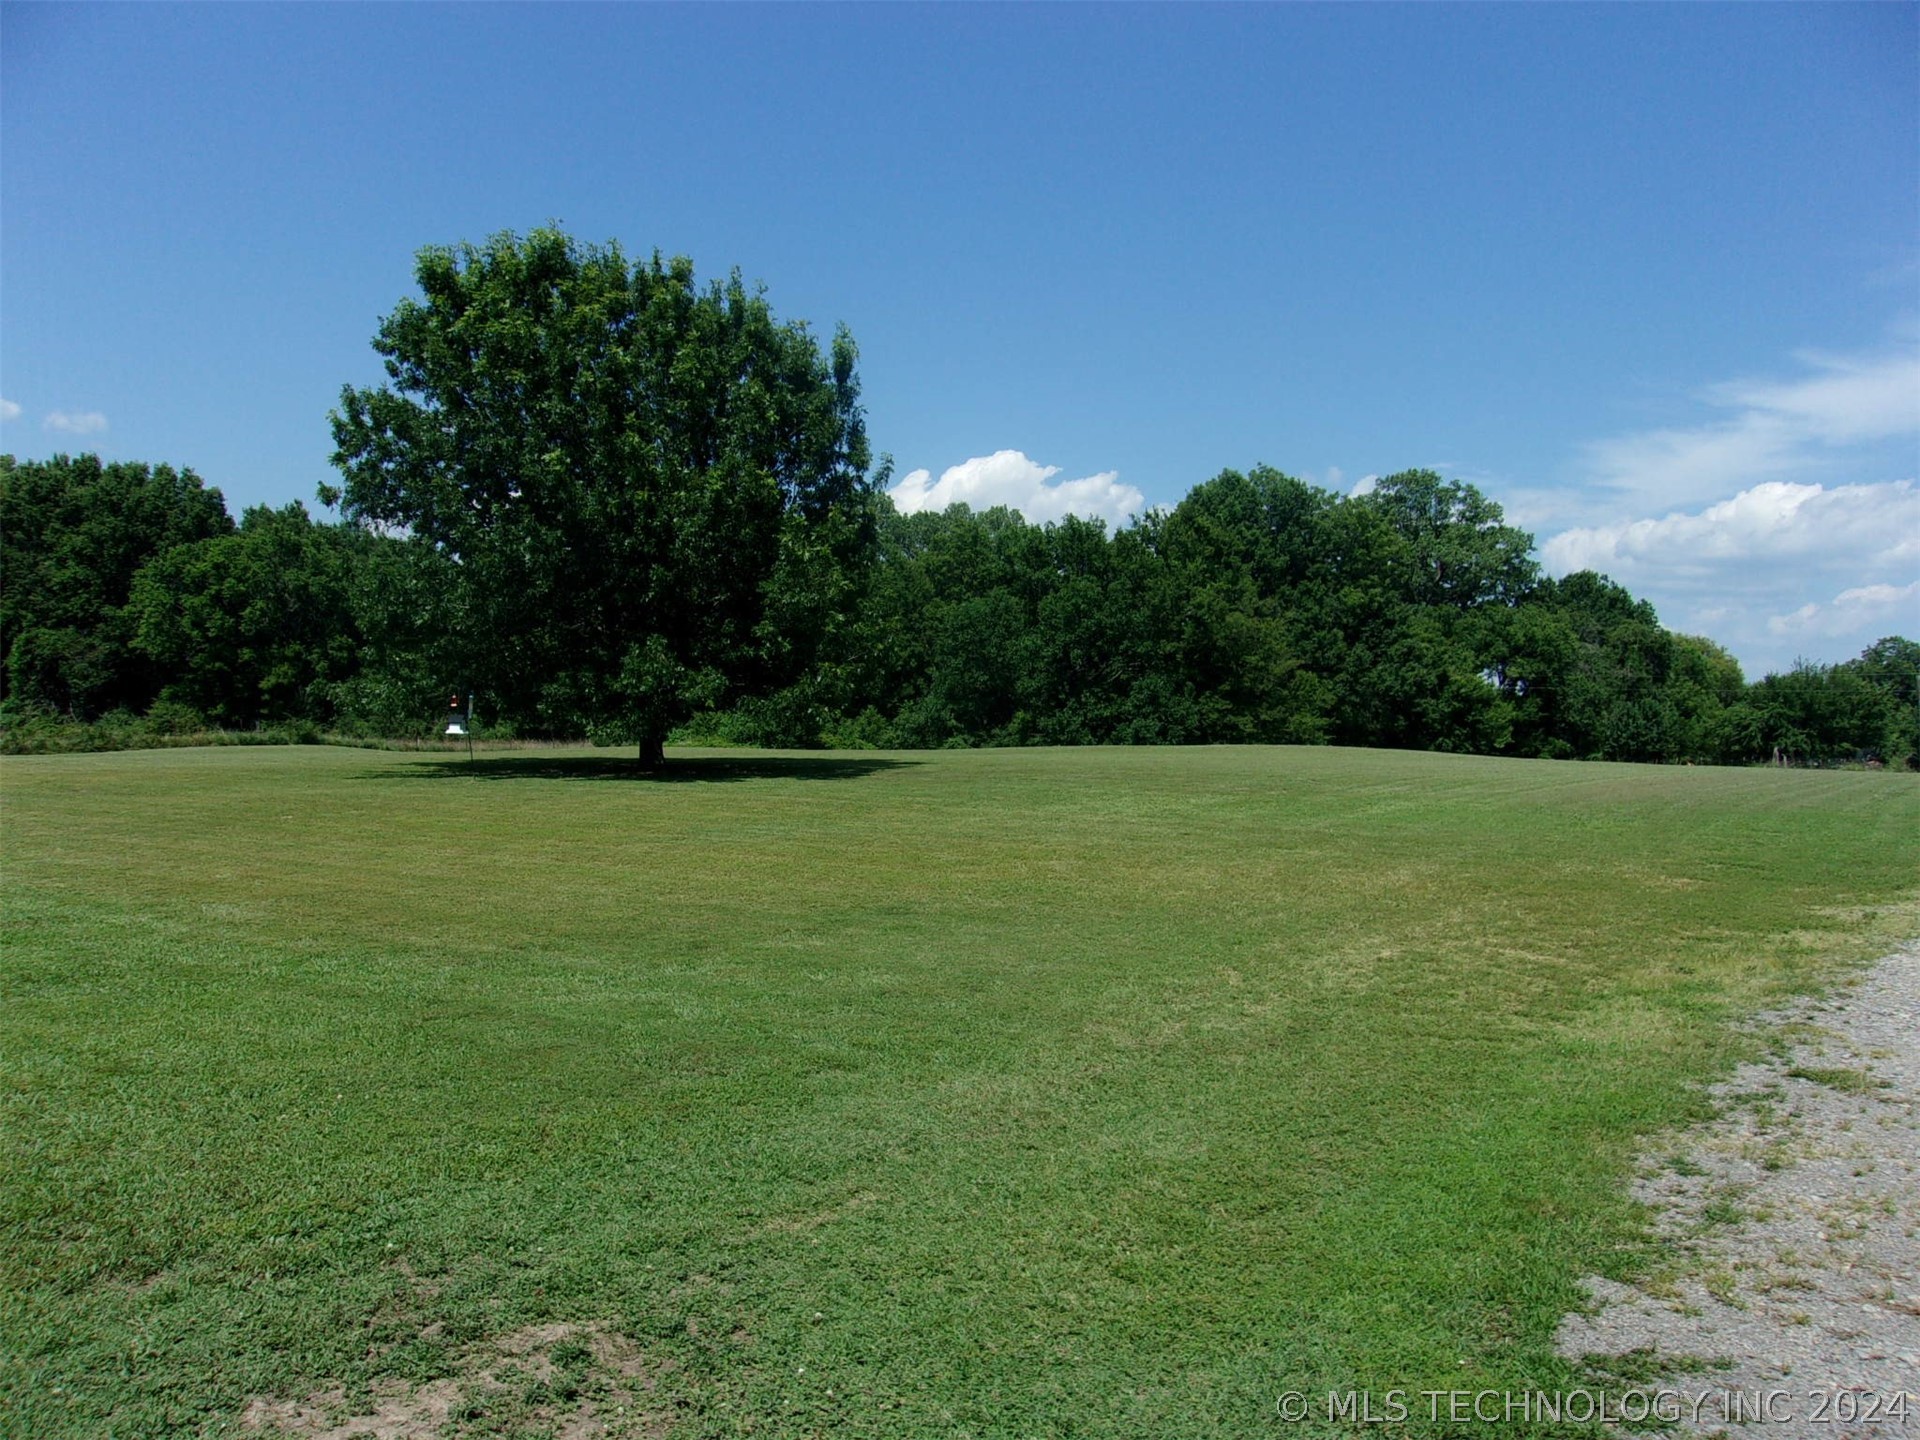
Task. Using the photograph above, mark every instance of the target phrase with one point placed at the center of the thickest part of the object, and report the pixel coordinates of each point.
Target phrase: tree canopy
(1260, 609)
(254, 623)
(74, 532)
(652, 495)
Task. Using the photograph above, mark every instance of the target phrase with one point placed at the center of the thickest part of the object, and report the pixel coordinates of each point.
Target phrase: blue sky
(1649, 276)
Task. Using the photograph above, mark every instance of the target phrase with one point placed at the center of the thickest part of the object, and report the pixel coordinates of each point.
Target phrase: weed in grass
(1849, 1080)
(1643, 1366)
(1721, 1211)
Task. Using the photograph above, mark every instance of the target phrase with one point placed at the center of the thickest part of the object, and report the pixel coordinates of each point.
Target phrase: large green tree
(1465, 552)
(256, 625)
(74, 533)
(653, 494)
(1891, 666)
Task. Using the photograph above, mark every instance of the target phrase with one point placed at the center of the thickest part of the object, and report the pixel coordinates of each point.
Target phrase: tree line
(1260, 609)
(614, 503)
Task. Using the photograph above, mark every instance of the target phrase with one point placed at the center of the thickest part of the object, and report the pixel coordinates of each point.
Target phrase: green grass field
(990, 1093)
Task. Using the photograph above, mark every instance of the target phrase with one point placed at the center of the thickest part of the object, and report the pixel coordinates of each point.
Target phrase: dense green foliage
(1259, 609)
(74, 533)
(252, 624)
(1092, 1092)
(1264, 609)
(649, 496)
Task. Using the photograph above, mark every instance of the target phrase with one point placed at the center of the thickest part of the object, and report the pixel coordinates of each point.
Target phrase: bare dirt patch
(1791, 1301)
(570, 1382)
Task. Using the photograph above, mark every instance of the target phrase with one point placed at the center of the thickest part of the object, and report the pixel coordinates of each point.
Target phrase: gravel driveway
(1793, 1221)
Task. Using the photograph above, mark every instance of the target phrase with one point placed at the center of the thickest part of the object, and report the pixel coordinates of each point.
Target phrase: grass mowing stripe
(1076, 1092)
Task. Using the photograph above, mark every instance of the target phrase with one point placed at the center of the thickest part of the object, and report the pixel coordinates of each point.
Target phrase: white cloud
(1776, 429)
(1749, 524)
(1848, 526)
(1745, 570)
(1850, 400)
(8, 410)
(83, 422)
(1856, 612)
(1687, 466)
(1365, 485)
(1008, 477)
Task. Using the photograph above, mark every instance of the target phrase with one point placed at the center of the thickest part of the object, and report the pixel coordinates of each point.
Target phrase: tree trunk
(653, 751)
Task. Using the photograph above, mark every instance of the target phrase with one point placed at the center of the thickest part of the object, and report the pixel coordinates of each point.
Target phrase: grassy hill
(1020, 1092)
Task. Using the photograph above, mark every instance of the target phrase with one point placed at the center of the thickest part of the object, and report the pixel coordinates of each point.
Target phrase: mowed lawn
(991, 1093)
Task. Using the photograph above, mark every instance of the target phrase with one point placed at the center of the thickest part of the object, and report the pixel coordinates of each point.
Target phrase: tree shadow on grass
(679, 769)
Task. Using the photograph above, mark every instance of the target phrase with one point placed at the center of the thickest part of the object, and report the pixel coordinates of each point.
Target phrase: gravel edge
(1792, 1224)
